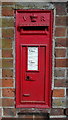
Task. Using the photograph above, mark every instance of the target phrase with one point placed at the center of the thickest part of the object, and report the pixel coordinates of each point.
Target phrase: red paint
(34, 90)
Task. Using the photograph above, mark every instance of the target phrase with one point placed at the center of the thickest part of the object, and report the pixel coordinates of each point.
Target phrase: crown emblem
(33, 18)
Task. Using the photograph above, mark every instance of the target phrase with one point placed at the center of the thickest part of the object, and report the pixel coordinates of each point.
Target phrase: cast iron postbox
(33, 58)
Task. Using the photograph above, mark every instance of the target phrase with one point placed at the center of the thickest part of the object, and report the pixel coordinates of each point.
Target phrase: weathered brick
(7, 63)
(7, 53)
(7, 3)
(0, 22)
(0, 118)
(60, 52)
(7, 22)
(58, 111)
(67, 73)
(61, 62)
(60, 8)
(59, 102)
(61, 42)
(25, 117)
(7, 33)
(34, 110)
(67, 92)
(0, 43)
(0, 73)
(67, 32)
(41, 117)
(0, 92)
(0, 63)
(0, 102)
(60, 31)
(7, 11)
(7, 102)
(0, 82)
(60, 83)
(8, 92)
(0, 111)
(0, 53)
(59, 73)
(6, 43)
(7, 73)
(66, 82)
(67, 52)
(58, 93)
(61, 21)
(10, 82)
(9, 111)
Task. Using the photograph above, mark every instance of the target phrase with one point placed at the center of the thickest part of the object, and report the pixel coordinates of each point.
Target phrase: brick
(59, 73)
(8, 92)
(60, 8)
(26, 117)
(0, 63)
(66, 82)
(67, 52)
(67, 73)
(0, 43)
(7, 63)
(0, 73)
(7, 53)
(60, 52)
(7, 33)
(6, 43)
(0, 118)
(61, 21)
(9, 111)
(60, 31)
(58, 93)
(0, 102)
(34, 110)
(66, 111)
(61, 42)
(0, 22)
(60, 83)
(7, 3)
(61, 62)
(0, 53)
(67, 32)
(67, 92)
(57, 111)
(7, 73)
(10, 82)
(7, 22)
(7, 102)
(0, 92)
(0, 111)
(40, 118)
(59, 102)
(0, 82)
(7, 11)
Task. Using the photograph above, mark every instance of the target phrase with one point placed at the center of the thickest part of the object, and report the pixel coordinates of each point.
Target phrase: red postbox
(33, 58)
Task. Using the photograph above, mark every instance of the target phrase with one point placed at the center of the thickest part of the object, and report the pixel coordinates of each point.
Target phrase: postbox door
(33, 74)
(33, 58)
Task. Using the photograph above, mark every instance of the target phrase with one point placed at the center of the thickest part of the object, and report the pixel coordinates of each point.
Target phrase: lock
(27, 78)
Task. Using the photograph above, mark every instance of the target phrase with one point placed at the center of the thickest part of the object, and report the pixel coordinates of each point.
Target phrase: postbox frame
(18, 84)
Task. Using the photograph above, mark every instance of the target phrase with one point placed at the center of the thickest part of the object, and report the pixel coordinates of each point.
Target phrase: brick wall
(60, 61)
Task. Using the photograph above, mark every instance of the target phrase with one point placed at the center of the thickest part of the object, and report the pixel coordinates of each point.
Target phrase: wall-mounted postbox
(33, 58)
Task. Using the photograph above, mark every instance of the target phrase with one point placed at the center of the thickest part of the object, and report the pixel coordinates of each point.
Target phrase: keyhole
(27, 78)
